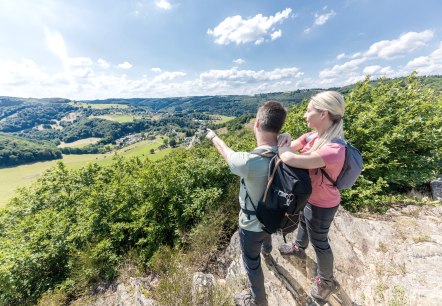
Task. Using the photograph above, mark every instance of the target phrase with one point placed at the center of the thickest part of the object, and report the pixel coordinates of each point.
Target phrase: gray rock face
(436, 188)
(394, 259)
(203, 286)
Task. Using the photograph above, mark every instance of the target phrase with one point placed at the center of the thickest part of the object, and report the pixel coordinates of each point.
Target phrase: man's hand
(284, 140)
(210, 134)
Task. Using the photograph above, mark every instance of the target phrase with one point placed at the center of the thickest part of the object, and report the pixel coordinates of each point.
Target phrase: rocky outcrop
(391, 259)
(436, 188)
(394, 259)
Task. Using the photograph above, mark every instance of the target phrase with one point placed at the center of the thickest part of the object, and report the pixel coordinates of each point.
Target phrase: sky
(83, 49)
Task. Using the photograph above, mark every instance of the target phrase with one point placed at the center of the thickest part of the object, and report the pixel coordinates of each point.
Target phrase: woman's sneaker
(292, 249)
(321, 290)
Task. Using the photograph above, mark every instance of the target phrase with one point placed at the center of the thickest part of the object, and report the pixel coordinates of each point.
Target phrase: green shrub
(72, 228)
(396, 126)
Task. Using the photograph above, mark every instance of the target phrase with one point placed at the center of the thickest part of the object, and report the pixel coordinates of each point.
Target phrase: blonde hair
(333, 102)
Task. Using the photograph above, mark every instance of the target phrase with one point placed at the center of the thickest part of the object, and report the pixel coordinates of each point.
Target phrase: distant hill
(16, 150)
(229, 105)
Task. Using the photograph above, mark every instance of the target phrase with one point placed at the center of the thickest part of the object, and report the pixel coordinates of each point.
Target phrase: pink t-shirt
(324, 194)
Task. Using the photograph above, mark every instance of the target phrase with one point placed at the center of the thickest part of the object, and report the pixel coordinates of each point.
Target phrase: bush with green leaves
(71, 229)
(396, 124)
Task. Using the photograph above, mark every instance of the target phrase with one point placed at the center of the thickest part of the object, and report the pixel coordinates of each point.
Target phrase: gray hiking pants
(314, 225)
(251, 243)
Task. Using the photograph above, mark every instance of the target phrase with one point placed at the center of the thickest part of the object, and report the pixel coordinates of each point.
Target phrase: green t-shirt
(253, 169)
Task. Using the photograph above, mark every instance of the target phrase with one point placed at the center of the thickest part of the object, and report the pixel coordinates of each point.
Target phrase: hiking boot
(321, 290)
(292, 249)
(245, 298)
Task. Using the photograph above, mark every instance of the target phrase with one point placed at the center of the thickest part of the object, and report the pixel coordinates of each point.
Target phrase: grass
(121, 118)
(21, 176)
(221, 118)
(98, 106)
(79, 143)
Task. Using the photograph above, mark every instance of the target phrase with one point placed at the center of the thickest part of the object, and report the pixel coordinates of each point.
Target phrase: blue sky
(101, 49)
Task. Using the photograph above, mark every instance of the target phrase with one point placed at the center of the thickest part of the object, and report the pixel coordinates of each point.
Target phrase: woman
(324, 115)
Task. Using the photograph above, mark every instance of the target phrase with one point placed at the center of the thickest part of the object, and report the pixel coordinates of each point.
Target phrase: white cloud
(253, 30)
(168, 76)
(239, 61)
(80, 61)
(431, 64)
(341, 56)
(103, 64)
(156, 70)
(376, 70)
(82, 72)
(406, 43)
(21, 73)
(163, 4)
(250, 75)
(276, 34)
(26, 78)
(56, 45)
(320, 19)
(385, 50)
(125, 65)
(339, 70)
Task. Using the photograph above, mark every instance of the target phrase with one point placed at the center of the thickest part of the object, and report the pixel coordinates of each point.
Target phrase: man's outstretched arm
(220, 145)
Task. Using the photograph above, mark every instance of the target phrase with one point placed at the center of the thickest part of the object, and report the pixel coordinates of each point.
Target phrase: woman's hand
(284, 140)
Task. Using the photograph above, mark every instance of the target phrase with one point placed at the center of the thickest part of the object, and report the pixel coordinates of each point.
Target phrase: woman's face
(313, 116)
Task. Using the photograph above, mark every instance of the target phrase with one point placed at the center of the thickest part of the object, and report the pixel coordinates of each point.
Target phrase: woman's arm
(304, 161)
(296, 145)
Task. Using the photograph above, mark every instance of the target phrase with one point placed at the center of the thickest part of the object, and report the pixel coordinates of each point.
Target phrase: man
(253, 170)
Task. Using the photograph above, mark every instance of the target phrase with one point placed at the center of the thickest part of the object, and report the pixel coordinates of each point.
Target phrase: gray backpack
(351, 169)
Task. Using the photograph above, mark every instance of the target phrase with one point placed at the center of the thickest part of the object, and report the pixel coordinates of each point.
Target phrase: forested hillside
(72, 230)
(15, 151)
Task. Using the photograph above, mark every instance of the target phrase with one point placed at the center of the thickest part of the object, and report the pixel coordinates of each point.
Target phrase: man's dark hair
(271, 116)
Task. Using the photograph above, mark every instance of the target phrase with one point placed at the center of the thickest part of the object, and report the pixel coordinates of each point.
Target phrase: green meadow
(121, 118)
(79, 143)
(221, 118)
(21, 176)
(98, 106)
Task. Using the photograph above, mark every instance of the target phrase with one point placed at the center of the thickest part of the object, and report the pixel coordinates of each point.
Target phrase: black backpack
(286, 194)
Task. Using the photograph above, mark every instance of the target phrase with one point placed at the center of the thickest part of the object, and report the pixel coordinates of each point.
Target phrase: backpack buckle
(288, 196)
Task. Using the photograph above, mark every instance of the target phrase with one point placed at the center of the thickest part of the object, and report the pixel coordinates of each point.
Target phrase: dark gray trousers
(314, 225)
(251, 243)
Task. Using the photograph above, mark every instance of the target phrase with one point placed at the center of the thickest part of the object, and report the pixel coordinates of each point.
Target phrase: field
(118, 117)
(98, 106)
(221, 118)
(79, 143)
(21, 176)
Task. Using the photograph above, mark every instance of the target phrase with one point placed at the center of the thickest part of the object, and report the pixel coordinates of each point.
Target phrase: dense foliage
(72, 228)
(394, 125)
(15, 151)
(23, 117)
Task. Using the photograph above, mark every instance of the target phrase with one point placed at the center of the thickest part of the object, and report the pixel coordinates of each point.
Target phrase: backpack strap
(341, 142)
(328, 177)
(263, 153)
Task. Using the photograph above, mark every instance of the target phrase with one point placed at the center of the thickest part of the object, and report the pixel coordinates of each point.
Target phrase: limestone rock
(393, 259)
(436, 188)
(203, 286)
